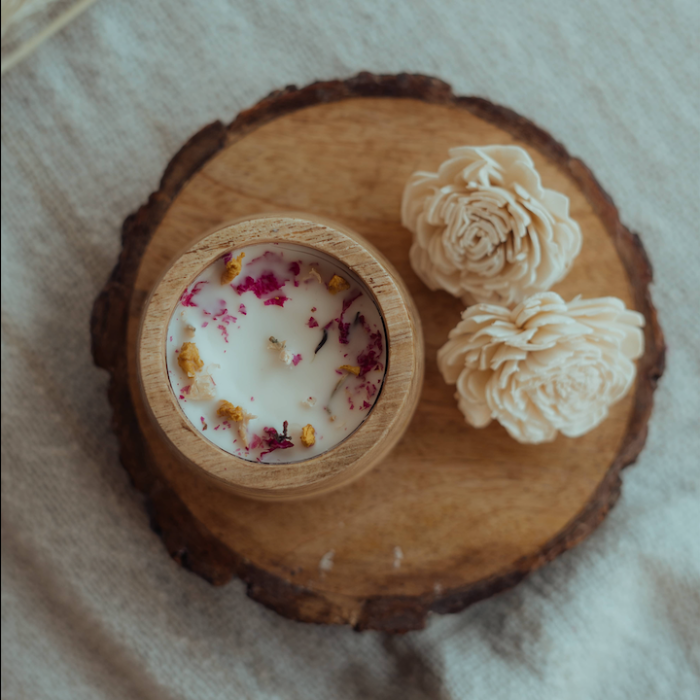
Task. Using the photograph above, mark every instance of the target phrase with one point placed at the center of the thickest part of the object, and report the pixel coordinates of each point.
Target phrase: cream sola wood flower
(546, 366)
(485, 230)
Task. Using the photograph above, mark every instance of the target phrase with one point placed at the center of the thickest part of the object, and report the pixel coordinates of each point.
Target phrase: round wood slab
(454, 514)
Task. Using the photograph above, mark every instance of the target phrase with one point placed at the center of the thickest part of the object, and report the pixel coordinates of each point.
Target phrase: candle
(236, 372)
(276, 352)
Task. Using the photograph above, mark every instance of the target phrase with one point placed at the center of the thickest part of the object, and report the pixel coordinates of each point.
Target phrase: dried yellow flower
(189, 360)
(308, 435)
(237, 415)
(233, 268)
(351, 369)
(228, 410)
(338, 284)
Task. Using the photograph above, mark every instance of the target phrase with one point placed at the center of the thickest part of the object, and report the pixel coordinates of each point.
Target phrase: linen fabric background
(92, 606)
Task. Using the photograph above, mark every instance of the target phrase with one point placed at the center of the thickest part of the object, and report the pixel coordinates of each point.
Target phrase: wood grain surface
(470, 512)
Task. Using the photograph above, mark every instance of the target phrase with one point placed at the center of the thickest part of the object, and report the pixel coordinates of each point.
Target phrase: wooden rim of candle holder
(364, 447)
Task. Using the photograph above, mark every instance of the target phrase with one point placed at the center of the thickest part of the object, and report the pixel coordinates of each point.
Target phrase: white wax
(231, 325)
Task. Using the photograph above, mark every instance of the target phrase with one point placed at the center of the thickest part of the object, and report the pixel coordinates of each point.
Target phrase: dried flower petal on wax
(228, 410)
(265, 284)
(239, 415)
(344, 326)
(338, 284)
(280, 345)
(370, 356)
(351, 369)
(188, 295)
(189, 360)
(243, 433)
(312, 274)
(276, 441)
(308, 436)
(233, 269)
(203, 387)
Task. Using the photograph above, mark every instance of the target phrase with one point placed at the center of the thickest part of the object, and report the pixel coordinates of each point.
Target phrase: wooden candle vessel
(451, 515)
(362, 449)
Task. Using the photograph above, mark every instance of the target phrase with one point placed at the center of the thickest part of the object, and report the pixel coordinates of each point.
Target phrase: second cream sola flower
(546, 366)
(485, 229)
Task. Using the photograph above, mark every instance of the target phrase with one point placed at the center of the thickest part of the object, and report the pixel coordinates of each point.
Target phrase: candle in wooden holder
(290, 350)
(281, 356)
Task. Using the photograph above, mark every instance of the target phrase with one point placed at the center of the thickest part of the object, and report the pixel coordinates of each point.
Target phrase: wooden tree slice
(453, 515)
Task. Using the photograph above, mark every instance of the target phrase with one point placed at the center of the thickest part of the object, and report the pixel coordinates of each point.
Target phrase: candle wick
(323, 341)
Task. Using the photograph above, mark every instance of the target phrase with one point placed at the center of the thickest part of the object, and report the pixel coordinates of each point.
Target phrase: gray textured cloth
(92, 606)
